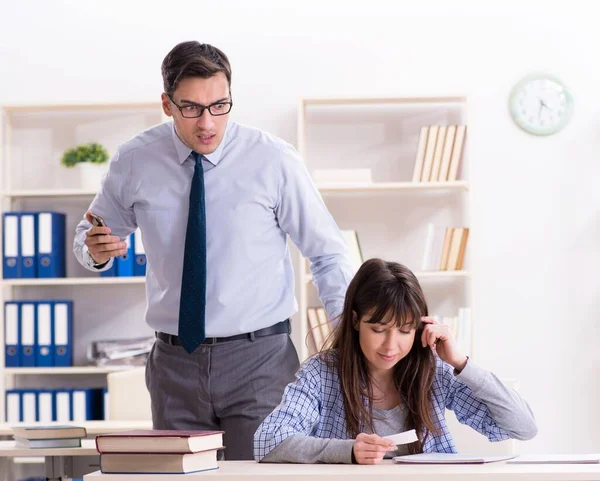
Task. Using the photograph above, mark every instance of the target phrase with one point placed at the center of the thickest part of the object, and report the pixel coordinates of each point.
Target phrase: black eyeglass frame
(202, 108)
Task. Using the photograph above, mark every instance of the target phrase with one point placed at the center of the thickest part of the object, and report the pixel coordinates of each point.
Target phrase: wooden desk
(60, 462)
(387, 471)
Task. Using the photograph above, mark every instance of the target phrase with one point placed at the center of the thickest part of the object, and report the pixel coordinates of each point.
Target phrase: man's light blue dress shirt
(257, 191)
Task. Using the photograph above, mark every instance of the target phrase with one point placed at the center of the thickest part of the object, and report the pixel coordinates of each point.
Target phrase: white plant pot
(91, 174)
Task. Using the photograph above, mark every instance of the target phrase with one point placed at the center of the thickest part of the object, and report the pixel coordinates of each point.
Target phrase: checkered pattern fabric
(313, 406)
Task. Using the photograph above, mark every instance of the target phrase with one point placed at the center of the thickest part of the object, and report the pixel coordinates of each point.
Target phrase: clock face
(541, 105)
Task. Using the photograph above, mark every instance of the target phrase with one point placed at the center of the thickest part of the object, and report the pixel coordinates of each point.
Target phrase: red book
(159, 441)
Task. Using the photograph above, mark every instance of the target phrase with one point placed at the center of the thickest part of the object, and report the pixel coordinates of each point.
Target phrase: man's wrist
(95, 264)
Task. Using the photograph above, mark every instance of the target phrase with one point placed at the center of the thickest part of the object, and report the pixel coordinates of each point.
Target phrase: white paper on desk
(403, 438)
(557, 459)
(449, 458)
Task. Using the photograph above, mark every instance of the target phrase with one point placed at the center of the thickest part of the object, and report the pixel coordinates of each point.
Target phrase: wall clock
(541, 104)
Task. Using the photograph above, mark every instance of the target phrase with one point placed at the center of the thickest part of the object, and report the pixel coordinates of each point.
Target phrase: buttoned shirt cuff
(91, 263)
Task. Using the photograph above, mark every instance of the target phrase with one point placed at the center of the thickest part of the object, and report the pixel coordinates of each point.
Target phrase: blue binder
(51, 244)
(11, 334)
(28, 333)
(45, 406)
(29, 408)
(11, 264)
(125, 262)
(28, 236)
(87, 404)
(63, 333)
(140, 254)
(13, 411)
(105, 404)
(63, 412)
(45, 331)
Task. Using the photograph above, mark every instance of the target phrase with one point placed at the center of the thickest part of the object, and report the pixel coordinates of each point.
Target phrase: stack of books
(48, 436)
(158, 451)
(439, 153)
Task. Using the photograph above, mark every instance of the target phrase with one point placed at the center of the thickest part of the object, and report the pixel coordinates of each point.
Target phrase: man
(214, 201)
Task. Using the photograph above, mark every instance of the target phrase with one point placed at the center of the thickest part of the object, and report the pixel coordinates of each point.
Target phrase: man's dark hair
(193, 59)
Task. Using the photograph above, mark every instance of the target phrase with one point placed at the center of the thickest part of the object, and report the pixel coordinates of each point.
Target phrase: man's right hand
(101, 245)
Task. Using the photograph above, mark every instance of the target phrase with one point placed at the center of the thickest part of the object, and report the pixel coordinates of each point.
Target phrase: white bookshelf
(74, 281)
(356, 187)
(421, 275)
(93, 428)
(389, 212)
(49, 193)
(32, 141)
(54, 371)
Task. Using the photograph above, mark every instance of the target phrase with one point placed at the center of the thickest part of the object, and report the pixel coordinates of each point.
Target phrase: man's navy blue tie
(193, 283)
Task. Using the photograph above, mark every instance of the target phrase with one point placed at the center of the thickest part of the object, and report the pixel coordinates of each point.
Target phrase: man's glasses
(193, 111)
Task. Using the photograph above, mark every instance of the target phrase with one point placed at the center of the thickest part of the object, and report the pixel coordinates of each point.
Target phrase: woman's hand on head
(440, 339)
(371, 448)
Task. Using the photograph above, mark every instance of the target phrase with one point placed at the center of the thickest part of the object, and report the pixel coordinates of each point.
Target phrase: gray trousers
(230, 387)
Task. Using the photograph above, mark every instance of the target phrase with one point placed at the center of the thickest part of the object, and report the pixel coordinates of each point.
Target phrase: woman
(390, 369)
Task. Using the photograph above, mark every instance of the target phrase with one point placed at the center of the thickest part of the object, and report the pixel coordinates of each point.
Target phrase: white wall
(535, 224)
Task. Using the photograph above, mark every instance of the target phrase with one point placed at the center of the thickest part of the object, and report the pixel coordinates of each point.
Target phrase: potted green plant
(92, 161)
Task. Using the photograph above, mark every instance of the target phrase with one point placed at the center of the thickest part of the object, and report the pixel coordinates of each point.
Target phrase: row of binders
(34, 245)
(133, 263)
(38, 333)
(49, 405)
(439, 153)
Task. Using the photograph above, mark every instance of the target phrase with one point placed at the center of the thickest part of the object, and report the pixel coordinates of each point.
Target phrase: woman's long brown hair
(386, 292)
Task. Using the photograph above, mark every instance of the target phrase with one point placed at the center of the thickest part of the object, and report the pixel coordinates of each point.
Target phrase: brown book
(47, 443)
(49, 432)
(429, 151)
(420, 154)
(457, 152)
(463, 248)
(437, 154)
(447, 153)
(153, 463)
(457, 235)
(446, 249)
(159, 441)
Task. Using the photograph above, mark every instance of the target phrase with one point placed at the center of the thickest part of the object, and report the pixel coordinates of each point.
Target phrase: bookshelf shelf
(51, 193)
(69, 109)
(73, 281)
(441, 274)
(331, 101)
(22, 371)
(423, 275)
(392, 186)
(92, 427)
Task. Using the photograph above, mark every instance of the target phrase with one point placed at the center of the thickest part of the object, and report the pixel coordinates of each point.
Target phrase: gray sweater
(501, 402)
